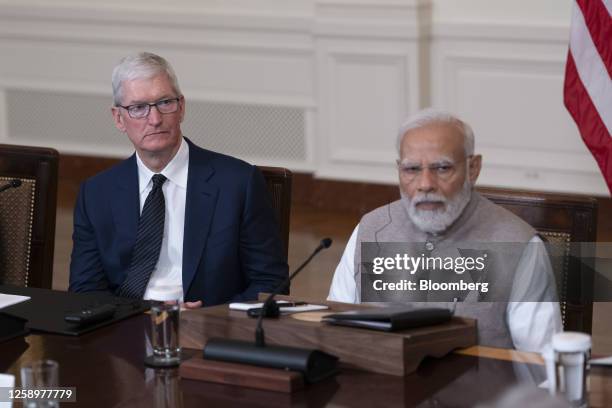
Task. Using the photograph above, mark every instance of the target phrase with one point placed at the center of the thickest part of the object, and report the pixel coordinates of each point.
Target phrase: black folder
(391, 318)
(11, 327)
(46, 309)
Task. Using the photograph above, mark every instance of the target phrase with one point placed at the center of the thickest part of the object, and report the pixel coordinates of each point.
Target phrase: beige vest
(481, 224)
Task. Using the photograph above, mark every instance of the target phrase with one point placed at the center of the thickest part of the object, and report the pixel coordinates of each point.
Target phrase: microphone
(315, 365)
(14, 183)
(270, 307)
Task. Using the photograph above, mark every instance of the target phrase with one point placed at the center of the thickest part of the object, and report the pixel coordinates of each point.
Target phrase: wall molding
(479, 31)
(142, 13)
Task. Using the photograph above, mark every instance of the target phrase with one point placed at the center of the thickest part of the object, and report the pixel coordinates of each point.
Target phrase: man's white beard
(438, 220)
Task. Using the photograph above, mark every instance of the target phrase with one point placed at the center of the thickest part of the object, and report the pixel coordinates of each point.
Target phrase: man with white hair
(438, 207)
(172, 214)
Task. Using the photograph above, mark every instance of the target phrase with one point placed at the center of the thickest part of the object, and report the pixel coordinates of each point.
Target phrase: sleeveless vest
(480, 225)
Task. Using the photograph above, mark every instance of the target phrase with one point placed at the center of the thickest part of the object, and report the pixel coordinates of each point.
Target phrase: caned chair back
(561, 220)
(27, 215)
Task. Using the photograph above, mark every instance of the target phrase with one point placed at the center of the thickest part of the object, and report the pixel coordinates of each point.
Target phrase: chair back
(279, 181)
(561, 220)
(27, 215)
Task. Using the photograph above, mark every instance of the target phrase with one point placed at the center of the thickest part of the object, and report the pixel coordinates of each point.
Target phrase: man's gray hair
(144, 65)
(432, 116)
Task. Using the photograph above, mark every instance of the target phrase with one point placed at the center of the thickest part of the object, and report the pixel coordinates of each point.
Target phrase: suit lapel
(199, 211)
(126, 202)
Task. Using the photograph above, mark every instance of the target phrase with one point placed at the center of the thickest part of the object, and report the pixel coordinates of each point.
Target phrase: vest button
(429, 246)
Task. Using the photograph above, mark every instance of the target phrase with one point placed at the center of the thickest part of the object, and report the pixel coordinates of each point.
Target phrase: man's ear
(474, 169)
(118, 119)
(182, 108)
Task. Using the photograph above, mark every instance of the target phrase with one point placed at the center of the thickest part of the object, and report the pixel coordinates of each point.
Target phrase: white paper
(284, 310)
(9, 300)
(244, 306)
(606, 361)
(247, 306)
(303, 308)
(7, 381)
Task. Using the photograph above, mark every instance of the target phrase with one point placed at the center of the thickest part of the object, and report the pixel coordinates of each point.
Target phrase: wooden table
(106, 368)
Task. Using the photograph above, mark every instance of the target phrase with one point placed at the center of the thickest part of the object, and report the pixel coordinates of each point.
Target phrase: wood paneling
(347, 197)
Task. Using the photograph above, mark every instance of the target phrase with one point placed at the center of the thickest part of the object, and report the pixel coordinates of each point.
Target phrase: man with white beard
(437, 171)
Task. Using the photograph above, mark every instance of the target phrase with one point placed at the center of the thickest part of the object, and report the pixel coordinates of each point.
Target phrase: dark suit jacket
(231, 248)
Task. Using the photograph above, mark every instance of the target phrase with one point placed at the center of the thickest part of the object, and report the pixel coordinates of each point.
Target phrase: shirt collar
(175, 171)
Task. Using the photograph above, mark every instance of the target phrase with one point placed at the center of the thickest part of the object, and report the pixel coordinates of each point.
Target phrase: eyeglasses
(142, 110)
(442, 170)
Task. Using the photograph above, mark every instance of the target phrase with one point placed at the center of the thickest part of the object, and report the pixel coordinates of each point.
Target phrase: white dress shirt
(531, 324)
(169, 268)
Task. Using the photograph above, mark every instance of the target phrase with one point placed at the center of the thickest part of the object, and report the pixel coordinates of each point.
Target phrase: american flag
(588, 85)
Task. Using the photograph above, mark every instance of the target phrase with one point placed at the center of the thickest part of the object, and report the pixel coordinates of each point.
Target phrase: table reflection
(107, 368)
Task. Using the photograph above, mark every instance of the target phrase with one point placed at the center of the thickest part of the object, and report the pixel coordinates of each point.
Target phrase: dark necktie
(148, 242)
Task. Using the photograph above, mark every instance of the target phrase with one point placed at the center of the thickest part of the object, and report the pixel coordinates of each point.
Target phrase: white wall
(313, 85)
(521, 12)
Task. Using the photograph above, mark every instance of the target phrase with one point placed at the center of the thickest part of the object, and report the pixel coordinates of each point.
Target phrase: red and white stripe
(588, 83)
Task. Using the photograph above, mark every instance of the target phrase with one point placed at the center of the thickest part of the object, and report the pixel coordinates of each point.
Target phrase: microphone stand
(315, 365)
(259, 332)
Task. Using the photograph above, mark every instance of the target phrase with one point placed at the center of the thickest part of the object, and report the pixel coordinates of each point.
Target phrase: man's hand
(193, 305)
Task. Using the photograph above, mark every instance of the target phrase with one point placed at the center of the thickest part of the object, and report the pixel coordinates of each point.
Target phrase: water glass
(40, 374)
(165, 318)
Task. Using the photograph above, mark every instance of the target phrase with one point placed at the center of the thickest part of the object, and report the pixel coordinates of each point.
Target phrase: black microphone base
(315, 365)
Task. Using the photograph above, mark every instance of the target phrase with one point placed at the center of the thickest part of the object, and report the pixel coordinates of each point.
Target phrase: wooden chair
(27, 215)
(279, 181)
(561, 220)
